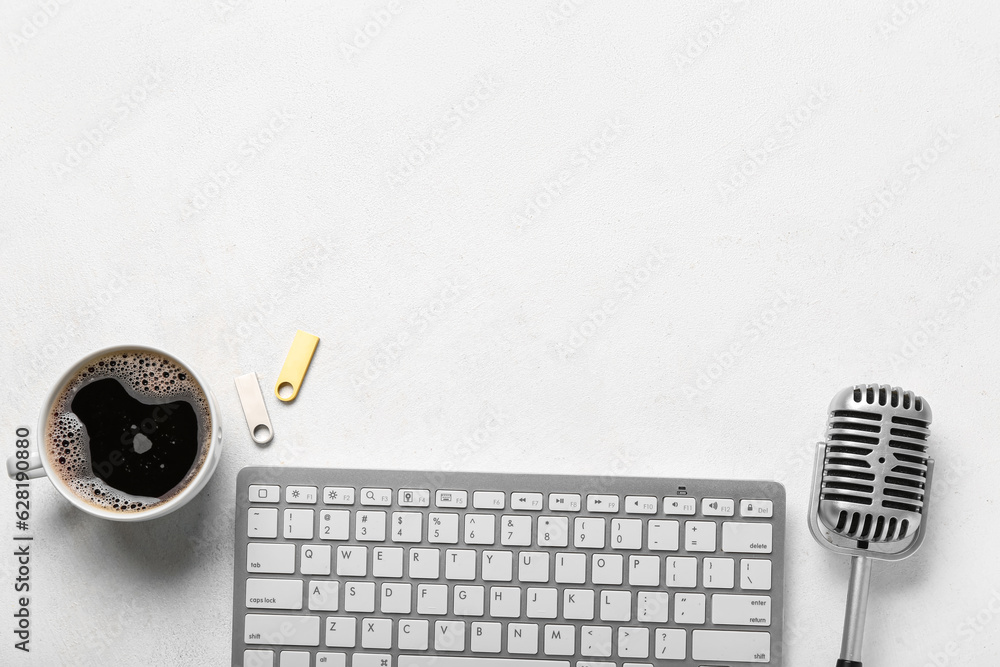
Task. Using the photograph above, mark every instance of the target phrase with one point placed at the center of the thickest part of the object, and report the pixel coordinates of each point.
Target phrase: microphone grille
(875, 468)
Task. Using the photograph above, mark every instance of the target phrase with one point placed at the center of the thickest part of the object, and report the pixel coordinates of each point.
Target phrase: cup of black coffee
(129, 433)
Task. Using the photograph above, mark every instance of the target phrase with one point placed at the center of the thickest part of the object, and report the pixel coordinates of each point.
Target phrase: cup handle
(29, 468)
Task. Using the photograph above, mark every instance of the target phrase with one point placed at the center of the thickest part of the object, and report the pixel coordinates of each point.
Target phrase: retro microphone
(871, 489)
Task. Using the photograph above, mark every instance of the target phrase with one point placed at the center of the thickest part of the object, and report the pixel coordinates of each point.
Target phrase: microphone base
(848, 663)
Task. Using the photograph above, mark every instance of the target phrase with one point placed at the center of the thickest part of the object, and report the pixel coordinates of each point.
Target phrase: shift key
(746, 538)
(281, 630)
(731, 646)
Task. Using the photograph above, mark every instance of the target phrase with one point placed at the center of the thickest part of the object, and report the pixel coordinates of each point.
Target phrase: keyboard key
(412, 635)
(262, 522)
(607, 569)
(602, 503)
(498, 565)
(595, 642)
(303, 495)
(432, 599)
(449, 499)
(761, 509)
(281, 630)
(689, 608)
(522, 638)
(718, 506)
(274, 594)
(485, 639)
(616, 606)
(633, 642)
(324, 595)
(265, 493)
(413, 498)
(699, 535)
(683, 505)
(334, 524)
(258, 658)
(718, 572)
(525, 501)
(371, 660)
(338, 495)
(559, 639)
(515, 530)
(741, 610)
(443, 529)
(341, 631)
(662, 535)
(271, 558)
(746, 538)
(505, 602)
(474, 661)
(541, 603)
(460, 564)
(571, 568)
(449, 636)
(352, 561)
(626, 533)
(424, 563)
(564, 502)
(553, 531)
(755, 575)
(488, 500)
(533, 566)
(640, 504)
(299, 524)
(480, 528)
(315, 559)
(731, 646)
(588, 533)
(469, 601)
(370, 526)
(407, 526)
(376, 633)
(377, 497)
(670, 644)
(359, 596)
(578, 604)
(328, 659)
(682, 572)
(387, 562)
(293, 659)
(395, 599)
(644, 571)
(652, 607)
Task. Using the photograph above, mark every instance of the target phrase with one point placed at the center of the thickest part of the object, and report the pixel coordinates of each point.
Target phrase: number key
(626, 533)
(553, 531)
(588, 533)
(406, 526)
(370, 527)
(334, 525)
(515, 530)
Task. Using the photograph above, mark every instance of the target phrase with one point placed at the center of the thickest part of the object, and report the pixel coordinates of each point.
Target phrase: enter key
(741, 610)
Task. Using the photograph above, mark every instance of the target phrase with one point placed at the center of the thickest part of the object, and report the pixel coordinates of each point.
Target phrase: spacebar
(462, 661)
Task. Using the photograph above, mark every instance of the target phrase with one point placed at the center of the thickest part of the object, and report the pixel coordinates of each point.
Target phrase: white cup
(38, 464)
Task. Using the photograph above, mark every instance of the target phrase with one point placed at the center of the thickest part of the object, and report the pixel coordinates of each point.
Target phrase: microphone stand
(857, 610)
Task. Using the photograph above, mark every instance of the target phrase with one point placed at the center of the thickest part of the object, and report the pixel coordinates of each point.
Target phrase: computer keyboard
(369, 568)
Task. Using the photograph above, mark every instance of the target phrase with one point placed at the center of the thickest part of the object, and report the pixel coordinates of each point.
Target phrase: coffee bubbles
(129, 431)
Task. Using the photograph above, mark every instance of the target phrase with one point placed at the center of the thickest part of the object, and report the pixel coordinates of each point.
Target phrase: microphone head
(875, 479)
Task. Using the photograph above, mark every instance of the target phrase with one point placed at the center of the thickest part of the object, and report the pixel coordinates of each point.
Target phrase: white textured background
(209, 176)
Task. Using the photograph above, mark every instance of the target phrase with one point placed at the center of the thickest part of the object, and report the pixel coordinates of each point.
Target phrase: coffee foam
(147, 376)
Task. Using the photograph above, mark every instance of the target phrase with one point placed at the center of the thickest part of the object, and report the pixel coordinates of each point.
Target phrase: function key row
(497, 500)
